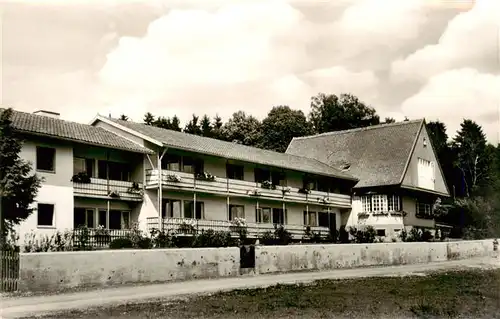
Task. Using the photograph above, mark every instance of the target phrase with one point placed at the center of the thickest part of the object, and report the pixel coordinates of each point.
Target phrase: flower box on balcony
(286, 190)
(205, 176)
(363, 215)
(254, 192)
(114, 194)
(267, 185)
(173, 178)
(82, 178)
(136, 189)
(304, 191)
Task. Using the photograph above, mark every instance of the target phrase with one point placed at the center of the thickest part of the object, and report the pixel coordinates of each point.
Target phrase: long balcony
(229, 187)
(102, 188)
(189, 226)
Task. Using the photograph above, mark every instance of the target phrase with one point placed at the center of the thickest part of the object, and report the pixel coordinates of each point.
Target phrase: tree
(389, 120)
(18, 184)
(281, 125)
(193, 127)
(149, 118)
(336, 113)
(206, 126)
(176, 124)
(123, 117)
(217, 128)
(243, 128)
(472, 158)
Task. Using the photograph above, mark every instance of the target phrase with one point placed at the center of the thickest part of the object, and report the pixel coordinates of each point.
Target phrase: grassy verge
(456, 294)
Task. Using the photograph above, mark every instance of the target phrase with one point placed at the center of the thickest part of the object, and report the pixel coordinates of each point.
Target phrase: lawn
(455, 294)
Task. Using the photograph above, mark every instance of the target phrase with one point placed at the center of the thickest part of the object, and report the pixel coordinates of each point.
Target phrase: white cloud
(469, 41)
(457, 94)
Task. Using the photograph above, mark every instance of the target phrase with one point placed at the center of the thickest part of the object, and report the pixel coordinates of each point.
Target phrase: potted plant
(286, 190)
(304, 190)
(254, 192)
(173, 178)
(114, 193)
(81, 177)
(135, 188)
(267, 185)
(205, 176)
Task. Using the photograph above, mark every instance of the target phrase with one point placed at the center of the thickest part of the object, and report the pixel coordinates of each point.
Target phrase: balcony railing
(103, 188)
(97, 238)
(231, 187)
(190, 226)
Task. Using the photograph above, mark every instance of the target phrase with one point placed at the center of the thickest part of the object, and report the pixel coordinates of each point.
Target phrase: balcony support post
(227, 192)
(160, 188)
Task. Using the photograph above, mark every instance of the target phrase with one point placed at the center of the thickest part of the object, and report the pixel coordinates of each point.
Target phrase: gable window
(263, 215)
(261, 174)
(191, 212)
(171, 208)
(45, 159)
(310, 218)
(426, 174)
(424, 210)
(45, 215)
(234, 171)
(393, 203)
(236, 211)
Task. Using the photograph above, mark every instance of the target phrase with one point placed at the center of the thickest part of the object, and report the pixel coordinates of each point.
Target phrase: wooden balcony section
(236, 188)
(101, 188)
(174, 226)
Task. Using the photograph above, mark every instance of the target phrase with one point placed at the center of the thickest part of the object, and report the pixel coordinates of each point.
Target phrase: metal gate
(9, 270)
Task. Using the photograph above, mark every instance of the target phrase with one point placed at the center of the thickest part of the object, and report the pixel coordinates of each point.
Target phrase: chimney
(47, 113)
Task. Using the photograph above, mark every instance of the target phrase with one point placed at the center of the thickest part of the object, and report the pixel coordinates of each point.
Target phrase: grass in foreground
(457, 294)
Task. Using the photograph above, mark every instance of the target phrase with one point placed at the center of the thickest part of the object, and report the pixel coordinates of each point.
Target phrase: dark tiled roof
(214, 147)
(29, 123)
(377, 155)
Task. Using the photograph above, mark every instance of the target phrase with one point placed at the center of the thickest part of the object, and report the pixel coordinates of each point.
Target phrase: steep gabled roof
(214, 147)
(41, 125)
(377, 155)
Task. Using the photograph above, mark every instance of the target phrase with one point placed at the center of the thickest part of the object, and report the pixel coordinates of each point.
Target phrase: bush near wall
(135, 238)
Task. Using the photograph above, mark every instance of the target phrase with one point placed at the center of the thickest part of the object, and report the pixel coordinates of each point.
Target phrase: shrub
(120, 243)
(365, 236)
(161, 239)
(59, 241)
(343, 235)
(211, 238)
(283, 236)
(267, 238)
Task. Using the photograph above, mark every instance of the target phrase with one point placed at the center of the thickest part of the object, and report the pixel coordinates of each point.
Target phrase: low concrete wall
(269, 259)
(54, 271)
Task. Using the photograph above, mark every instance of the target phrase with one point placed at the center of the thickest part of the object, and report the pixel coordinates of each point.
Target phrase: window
(234, 172)
(171, 162)
(309, 183)
(310, 219)
(114, 171)
(279, 216)
(83, 217)
(236, 211)
(366, 204)
(424, 210)
(83, 165)
(381, 232)
(190, 212)
(325, 219)
(425, 173)
(45, 215)
(263, 215)
(192, 165)
(393, 203)
(261, 175)
(324, 184)
(379, 203)
(45, 159)
(103, 219)
(278, 178)
(119, 219)
(171, 208)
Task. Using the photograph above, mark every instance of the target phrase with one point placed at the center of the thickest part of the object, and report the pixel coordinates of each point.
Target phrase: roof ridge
(50, 117)
(359, 129)
(239, 145)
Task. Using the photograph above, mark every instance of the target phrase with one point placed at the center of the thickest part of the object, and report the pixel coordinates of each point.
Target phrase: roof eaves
(126, 129)
(425, 190)
(140, 149)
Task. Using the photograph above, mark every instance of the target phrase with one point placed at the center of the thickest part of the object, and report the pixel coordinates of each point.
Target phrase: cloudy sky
(436, 59)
